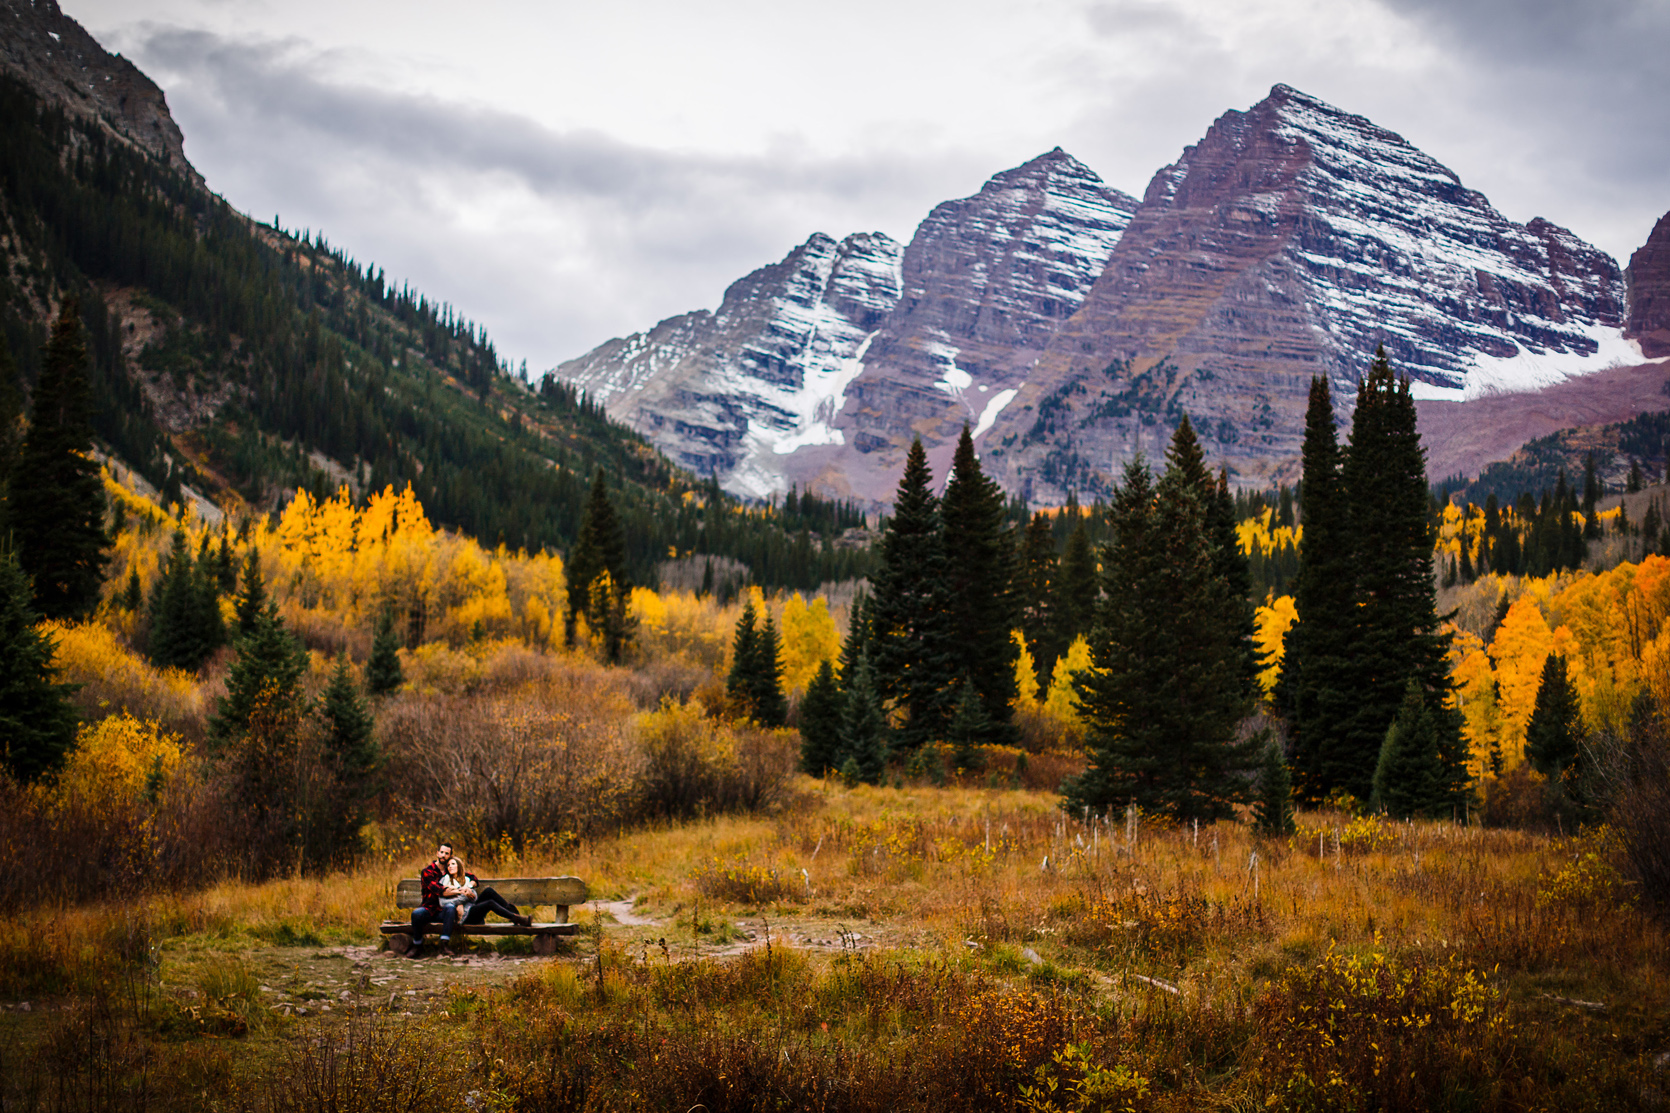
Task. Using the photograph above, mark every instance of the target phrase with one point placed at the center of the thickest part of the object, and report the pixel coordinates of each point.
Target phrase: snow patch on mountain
(1529, 370)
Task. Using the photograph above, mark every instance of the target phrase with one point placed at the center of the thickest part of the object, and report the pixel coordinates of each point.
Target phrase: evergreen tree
(821, 722)
(1037, 588)
(1408, 775)
(745, 643)
(1591, 499)
(1314, 690)
(57, 517)
(263, 686)
(857, 641)
(1076, 598)
(11, 425)
(765, 690)
(185, 612)
(1635, 482)
(1552, 736)
(864, 728)
(133, 596)
(348, 727)
(980, 572)
(599, 549)
(252, 594)
(37, 720)
(1160, 721)
(909, 610)
(968, 730)
(1273, 809)
(1395, 635)
(383, 673)
(226, 566)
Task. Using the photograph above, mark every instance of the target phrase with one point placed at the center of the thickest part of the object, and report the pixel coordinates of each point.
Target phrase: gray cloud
(555, 240)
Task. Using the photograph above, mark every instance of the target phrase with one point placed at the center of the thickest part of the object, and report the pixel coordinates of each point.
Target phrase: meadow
(914, 947)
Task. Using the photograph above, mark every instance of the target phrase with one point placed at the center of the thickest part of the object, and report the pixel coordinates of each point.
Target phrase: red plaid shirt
(431, 879)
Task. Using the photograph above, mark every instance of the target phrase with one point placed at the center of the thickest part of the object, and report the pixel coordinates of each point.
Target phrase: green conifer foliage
(383, 673)
(348, 727)
(57, 517)
(910, 609)
(857, 641)
(1160, 720)
(1273, 808)
(1409, 778)
(1395, 636)
(1037, 588)
(1076, 597)
(980, 573)
(263, 686)
(133, 596)
(37, 720)
(820, 722)
(765, 689)
(599, 550)
(968, 730)
(252, 594)
(185, 611)
(864, 728)
(1552, 736)
(11, 425)
(1314, 690)
(739, 682)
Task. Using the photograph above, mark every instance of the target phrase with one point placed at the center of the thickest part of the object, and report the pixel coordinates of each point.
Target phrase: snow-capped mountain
(1290, 241)
(1071, 327)
(815, 364)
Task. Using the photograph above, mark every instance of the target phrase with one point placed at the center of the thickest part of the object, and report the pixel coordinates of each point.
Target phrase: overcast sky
(566, 172)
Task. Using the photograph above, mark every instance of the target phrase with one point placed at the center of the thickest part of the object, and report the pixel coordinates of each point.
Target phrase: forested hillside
(242, 361)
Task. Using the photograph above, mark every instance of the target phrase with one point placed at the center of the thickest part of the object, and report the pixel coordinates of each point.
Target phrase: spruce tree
(1313, 690)
(857, 641)
(1591, 498)
(1396, 634)
(980, 571)
(968, 730)
(910, 610)
(1409, 778)
(383, 673)
(57, 517)
(765, 689)
(1160, 720)
(11, 426)
(37, 720)
(252, 594)
(599, 549)
(745, 642)
(1273, 808)
(186, 624)
(1037, 588)
(1552, 735)
(864, 727)
(133, 596)
(348, 727)
(264, 682)
(821, 723)
(1076, 597)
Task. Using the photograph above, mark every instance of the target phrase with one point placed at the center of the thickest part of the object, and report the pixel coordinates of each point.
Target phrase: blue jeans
(422, 917)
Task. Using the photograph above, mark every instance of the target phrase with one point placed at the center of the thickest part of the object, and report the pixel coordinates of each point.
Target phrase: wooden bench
(530, 894)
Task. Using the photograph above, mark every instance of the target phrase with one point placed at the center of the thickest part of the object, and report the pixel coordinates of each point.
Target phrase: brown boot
(521, 921)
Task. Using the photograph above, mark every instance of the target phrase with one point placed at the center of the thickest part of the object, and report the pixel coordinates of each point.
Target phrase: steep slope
(821, 368)
(1648, 278)
(1291, 241)
(234, 361)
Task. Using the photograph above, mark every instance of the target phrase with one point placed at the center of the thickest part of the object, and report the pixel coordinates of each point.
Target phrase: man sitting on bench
(430, 910)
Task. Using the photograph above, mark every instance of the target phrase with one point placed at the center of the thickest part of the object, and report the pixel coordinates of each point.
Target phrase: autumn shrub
(692, 764)
(741, 882)
(114, 678)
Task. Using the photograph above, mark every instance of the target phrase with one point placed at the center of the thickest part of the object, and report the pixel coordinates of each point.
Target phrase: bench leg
(544, 944)
(397, 944)
(561, 914)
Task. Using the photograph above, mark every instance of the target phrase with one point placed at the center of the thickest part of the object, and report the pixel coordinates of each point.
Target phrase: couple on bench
(452, 896)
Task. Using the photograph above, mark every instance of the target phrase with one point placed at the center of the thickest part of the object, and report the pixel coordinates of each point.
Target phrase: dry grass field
(884, 948)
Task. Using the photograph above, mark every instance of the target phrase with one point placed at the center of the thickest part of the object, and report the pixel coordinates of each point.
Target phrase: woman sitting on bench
(460, 887)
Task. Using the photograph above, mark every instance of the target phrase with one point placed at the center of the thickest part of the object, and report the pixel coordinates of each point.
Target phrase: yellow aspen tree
(807, 639)
(1062, 702)
(1026, 674)
(1270, 626)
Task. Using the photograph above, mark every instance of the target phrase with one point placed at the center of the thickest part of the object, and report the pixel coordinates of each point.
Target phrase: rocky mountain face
(1648, 279)
(820, 368)
(1072, 327)
(55, 56)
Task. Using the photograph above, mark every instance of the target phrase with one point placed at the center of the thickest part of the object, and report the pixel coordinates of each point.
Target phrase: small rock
(26, 1007)
(1031, 956)
(344, 995)
(301, 1010)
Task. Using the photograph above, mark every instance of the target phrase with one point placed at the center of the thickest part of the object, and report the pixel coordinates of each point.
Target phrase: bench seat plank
(562, 892)
(404, 927)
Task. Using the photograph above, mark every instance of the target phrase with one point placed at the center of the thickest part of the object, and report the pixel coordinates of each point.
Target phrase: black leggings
(489, 901)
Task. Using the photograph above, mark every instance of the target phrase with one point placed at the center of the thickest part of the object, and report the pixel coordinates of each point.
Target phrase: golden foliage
(1271, 623)
(1026, 674)
(1062, 701)
(120, 759)
(808, 639)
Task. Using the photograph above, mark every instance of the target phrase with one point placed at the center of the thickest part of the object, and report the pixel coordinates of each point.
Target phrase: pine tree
(185, 613)
(1552, 736)
(1635, 481)
(383, 673)
(1408, 774)
(864, 727)
(821, 722)
(1076, 598)
(263, 683)
(910, 610)
(37, 720)
(968, 730)
(348, 727)
(1160, 721)
(1395, 635)
(252, 594)
(857, 641)
(1036, 585)
(599, 549)
(765, 689)
(1313, 691)
(57, 517)
(11, 425)
(980, 570)
(745, 642)
(1273, 809)
(133, 596)
(1591, 499)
